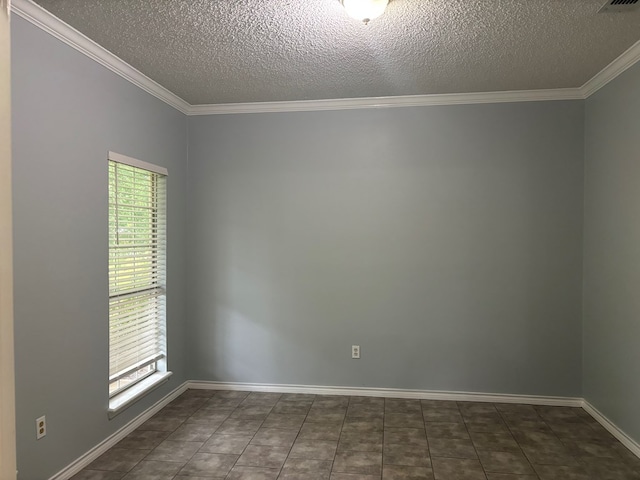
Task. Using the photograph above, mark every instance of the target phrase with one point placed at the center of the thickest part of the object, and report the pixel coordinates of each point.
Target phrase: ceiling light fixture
(365, 10)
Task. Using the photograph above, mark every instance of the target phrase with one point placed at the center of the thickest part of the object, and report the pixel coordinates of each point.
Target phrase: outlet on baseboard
(355, 351)
(41, 427)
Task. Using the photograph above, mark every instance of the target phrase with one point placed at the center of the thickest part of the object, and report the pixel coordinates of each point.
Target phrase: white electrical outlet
(41, 427)
(355, 351)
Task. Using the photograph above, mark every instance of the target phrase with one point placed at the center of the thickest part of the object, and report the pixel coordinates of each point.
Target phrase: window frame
(127, 395)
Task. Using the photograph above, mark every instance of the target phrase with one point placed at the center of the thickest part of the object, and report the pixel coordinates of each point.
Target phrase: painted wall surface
(68, 113)
(7, 397)
(612, 252)
(445, 241)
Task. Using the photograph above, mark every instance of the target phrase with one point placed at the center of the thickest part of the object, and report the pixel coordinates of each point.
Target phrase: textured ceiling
(225, 51)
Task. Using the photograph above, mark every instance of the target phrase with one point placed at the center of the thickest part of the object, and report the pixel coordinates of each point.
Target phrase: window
(137, 264)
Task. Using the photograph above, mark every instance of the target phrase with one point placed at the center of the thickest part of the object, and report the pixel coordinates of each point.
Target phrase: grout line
(506, 424)
(170, 433)
(214, 432)
(297, 435)
(471, 440)
(249, 442)
(426, 436)
(384, 413)
(333, 462)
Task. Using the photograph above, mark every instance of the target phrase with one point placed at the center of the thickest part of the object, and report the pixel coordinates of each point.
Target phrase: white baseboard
(613, 429)
(391, 393)
(109, 442)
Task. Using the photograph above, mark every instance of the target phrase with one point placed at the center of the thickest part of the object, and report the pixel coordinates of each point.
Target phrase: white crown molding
(51, 24)
(43, 19)
(386, 102)
(75, 467)
(625, 61)
(390, 393)
(613, 429)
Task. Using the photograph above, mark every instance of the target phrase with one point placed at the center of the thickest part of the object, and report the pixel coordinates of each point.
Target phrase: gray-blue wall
(612, 251)
(68, 112)
(445, 241)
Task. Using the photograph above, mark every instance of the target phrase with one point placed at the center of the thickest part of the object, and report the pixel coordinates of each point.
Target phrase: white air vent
(620, 6)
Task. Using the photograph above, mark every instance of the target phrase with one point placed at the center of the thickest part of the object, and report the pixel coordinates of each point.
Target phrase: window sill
(119, 402)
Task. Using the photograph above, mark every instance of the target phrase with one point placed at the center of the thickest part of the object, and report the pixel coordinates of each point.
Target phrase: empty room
(320, 239)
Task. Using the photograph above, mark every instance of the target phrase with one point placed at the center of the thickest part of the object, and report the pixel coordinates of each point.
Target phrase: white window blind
(137, 265)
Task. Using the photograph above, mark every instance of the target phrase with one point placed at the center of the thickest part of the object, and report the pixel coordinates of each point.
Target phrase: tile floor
(263, 436)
